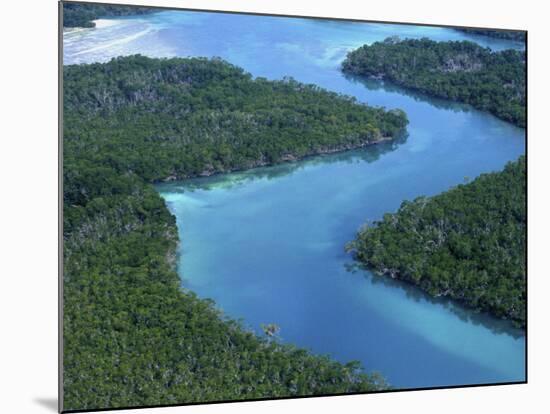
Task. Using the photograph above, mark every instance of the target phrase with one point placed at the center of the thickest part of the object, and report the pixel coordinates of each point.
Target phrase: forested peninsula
(83, 14)
(459, 71)
(179, 118)
(468, 243)
(132, 334)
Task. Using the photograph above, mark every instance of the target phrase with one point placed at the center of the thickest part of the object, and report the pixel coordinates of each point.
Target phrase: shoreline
(393, 274)
(285, 159)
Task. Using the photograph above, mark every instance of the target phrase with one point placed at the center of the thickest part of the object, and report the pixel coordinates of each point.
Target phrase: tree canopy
(468, 243)
(177, 117)
(458, 71)
(83, 14)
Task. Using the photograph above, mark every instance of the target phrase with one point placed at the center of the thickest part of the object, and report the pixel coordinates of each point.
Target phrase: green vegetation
(498, 34)
(458, 71)
(132, 335)
(188, 117)
(467, 244)
(82, 14)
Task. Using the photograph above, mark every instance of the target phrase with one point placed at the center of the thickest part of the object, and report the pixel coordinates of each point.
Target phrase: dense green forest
(468, 243)
(83, 14)
(458, 71)
(132, 334)
(189, 117)
(498, 34)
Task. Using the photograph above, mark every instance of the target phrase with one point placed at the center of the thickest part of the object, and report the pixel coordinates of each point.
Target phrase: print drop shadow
(414, 293)
(368, 154)
(49, 403)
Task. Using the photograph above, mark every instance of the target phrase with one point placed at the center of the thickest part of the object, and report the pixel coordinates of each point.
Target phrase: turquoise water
(267, 244)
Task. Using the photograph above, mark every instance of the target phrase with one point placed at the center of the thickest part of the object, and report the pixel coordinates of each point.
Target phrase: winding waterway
(267, 244)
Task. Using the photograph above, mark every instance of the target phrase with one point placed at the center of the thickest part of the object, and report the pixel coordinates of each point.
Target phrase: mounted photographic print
(261, 207)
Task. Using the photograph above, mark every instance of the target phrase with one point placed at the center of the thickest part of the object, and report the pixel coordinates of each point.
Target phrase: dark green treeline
(83, 14)
(458, 71)
(468, 243)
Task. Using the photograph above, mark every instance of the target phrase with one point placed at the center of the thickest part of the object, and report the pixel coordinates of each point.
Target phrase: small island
(468, 243)
(516, 35)
(131, 332)
(458, 71)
